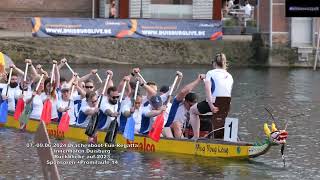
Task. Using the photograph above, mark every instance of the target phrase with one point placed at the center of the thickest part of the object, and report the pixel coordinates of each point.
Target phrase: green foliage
(230, 22)
(251, 23)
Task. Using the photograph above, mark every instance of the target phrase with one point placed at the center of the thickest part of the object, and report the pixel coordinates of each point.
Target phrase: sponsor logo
(141, 146)
(56, 133)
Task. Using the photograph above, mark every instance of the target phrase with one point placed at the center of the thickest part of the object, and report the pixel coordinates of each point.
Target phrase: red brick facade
(280, 23)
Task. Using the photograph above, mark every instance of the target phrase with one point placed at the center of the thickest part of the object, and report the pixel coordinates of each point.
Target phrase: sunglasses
(137, 102)
(115, 97)
(88, 87)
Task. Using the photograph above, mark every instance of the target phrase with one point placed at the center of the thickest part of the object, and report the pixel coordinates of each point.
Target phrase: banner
(305, 8)
(132, 28)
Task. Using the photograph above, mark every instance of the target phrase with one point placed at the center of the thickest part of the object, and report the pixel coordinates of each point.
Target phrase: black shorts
(203, 107)
(223, 103)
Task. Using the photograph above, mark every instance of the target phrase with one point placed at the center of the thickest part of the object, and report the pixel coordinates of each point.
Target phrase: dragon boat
(201, 147)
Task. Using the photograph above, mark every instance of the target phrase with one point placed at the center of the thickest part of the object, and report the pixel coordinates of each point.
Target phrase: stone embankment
(240, 51)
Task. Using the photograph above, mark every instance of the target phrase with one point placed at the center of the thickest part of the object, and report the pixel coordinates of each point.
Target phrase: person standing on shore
(113, 10)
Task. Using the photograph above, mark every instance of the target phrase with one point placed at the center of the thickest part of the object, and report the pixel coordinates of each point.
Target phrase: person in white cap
(63, 103)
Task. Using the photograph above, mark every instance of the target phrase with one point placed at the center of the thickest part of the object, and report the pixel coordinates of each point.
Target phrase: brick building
(300, 33)
(14, 14)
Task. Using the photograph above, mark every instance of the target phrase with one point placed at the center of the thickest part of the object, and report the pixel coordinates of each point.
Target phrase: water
(287, 92)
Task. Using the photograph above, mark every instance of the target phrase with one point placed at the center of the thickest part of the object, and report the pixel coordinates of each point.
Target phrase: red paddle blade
(46, 111)
(19, 109)
(64, 122)
(156, 129)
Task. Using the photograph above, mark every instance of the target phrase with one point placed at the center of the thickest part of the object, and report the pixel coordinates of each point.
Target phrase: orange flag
(46, 111)
(64, 122)
(19, 109)
(156, 128)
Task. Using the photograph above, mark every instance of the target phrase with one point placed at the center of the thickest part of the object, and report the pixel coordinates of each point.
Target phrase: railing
(164, 11)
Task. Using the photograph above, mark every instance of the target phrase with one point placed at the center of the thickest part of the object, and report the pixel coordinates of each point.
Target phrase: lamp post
(93, 9)
(141, 12)
(270, 22)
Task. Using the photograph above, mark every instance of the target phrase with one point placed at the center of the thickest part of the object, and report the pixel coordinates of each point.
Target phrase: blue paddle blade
(129, 129)
(4, 112)
(102, 119)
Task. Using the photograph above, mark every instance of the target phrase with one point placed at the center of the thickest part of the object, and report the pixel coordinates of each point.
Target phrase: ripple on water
(287, 92)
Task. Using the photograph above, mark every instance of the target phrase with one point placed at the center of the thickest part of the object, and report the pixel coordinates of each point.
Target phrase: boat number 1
(231, 129)
(230, 126)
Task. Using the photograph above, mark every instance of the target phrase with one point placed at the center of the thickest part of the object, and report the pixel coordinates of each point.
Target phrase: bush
(230, 22)
(251, 23)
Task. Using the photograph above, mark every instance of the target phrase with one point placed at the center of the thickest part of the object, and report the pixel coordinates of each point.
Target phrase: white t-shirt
(37, 106)
(27, 94)
(148, 109)
(11, 96)
(137, 115)
(247, 10)
(181, 114)
(63, 104)
(221, 83)
(76, 97)
(106, 105)
(87, 120)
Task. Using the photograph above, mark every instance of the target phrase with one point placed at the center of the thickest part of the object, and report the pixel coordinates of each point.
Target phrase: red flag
(64, 122)
(156, 129)
(19, 109)
(46, 111)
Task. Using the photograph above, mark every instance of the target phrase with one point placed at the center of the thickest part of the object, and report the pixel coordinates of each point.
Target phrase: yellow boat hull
(209, 148)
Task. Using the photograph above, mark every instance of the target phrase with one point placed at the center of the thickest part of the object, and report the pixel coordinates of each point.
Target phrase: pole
(270, 23)
(93, 9)
(317, 50)
(141, 14)
(258, 15)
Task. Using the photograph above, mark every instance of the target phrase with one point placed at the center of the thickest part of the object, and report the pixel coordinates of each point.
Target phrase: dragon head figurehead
(276, 136)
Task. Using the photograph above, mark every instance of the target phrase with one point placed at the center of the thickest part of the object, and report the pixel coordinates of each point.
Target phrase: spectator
(247, 9)
(113, 10)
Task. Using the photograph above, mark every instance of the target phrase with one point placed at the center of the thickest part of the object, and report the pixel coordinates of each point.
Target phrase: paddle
(128, 132)
(20, 103)
(46, 156)
(47, 105)
(99, 77)
(113, 127)
(93, 124)
(65, 118)
(69, 67)
(157, 126)
(4, 104)
(23, 119)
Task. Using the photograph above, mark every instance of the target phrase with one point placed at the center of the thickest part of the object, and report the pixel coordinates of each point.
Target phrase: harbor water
(292, 95)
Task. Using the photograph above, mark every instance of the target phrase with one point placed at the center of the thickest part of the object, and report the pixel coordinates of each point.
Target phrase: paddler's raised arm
(150, 91)
(19, 71)
(165, 96)
(79, 89)
(57, 75)
(126, 79)
(34, 74)
(110, 82)
(87, 76)
(62, 63)
(189, 87)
